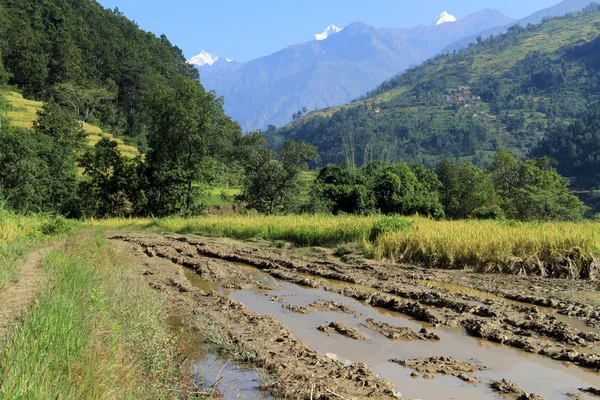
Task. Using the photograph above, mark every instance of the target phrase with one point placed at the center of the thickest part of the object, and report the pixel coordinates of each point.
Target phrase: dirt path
(272, 345)
(15, 297)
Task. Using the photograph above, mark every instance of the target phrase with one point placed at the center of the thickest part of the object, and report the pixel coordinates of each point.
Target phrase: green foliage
(339, 189)
(526, 191)
(90, 59)
(576, 148)
(505, 93)
(187, 131)
(398, 191)
(38, 169)
(388, 225)
(113, 185)
(467, 191)
(387, 188)
(57, 225)
(533, 190)
(273, 179)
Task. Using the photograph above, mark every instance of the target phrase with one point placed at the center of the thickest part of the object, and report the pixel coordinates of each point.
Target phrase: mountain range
(341, 65)
(515, 91)
(562, 8)
(337, 67)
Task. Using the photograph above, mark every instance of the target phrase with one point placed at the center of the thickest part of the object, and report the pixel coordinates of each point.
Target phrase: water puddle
(227, 380)
(203, 285)
(575, 322)
(213, 375)
(534, 373)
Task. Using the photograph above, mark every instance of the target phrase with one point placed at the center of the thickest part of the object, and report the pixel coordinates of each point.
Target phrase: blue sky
(248, 29)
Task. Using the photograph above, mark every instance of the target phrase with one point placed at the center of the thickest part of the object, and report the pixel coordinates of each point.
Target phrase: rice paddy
(557, 249)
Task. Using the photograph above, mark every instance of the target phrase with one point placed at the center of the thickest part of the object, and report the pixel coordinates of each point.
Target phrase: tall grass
(562, 249)
(305, 230)
(95, 333)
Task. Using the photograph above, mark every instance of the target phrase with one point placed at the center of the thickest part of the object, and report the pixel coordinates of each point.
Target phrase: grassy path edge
(96, 331)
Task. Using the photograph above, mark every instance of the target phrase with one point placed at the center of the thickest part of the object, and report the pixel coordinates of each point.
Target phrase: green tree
(112, 187)
(60, 136)
(272, 181)
(339, 188)
(533, 190)
(187, 131)
(21, 169)
(397, 190)
(467, 191)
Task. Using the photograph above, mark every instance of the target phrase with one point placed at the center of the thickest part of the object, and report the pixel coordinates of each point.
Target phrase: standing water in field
(427, 361)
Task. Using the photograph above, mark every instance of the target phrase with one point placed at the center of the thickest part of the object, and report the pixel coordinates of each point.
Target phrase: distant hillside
(322, 73)
(22, 113)
(503, 93)
(560, 9)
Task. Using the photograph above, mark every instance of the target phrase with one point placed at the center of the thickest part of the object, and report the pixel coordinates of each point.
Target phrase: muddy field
(319, 328)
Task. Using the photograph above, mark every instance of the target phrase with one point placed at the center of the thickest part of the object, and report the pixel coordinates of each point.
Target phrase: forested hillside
(514, 91)
(91, 59)
(91, 66)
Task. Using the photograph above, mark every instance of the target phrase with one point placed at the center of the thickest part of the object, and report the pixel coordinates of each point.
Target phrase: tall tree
(112, 185)
(272, 182)
(187, 130)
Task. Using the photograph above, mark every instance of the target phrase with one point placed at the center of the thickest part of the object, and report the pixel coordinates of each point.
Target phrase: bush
(390, 224)
(57, 226)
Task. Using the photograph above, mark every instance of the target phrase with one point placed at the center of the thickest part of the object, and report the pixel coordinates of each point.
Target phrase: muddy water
(537, 374)
(453, 288)
(228, 380)
(221, 378)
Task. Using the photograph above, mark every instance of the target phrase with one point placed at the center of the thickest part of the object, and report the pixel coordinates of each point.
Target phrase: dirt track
(483, 308)
(15, 297)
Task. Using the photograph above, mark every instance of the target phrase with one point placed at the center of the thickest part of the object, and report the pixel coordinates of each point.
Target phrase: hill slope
(501, 94)
(560, 9)
(75, 51)
(334, 71)
(22, 113)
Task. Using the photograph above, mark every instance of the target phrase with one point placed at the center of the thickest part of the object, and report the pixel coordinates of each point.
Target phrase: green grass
(94, 333)
(23, 113)
(19, 234)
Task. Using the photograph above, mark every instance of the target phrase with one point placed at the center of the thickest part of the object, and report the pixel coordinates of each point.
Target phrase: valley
(396, 206)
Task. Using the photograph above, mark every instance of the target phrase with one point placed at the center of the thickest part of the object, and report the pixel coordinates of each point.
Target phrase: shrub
(57, 226)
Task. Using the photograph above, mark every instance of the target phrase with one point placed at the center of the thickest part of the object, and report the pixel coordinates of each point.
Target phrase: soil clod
(344, 330)
(441, 365)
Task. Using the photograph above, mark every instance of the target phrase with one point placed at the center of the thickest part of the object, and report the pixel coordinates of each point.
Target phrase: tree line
(529, 190)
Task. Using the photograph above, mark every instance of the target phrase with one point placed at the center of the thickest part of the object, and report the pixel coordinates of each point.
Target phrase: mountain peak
(330, 30)
(205, 58)
(444, 17)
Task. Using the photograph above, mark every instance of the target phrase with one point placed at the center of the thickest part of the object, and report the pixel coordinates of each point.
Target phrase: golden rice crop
(14, 226)
(560, 249)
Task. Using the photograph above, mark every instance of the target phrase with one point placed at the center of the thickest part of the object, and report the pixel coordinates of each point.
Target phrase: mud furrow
(517, 326)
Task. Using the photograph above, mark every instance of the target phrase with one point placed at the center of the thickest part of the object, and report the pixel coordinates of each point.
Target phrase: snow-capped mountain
(205, 58)
(330, 30)
(444, 17)
(323, 73)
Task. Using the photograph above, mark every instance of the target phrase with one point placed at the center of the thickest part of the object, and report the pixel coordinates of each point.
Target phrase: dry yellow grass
(24, 113)
(559, 249)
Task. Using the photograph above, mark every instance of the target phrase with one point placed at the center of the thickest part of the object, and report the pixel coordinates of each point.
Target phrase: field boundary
(15, 297)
